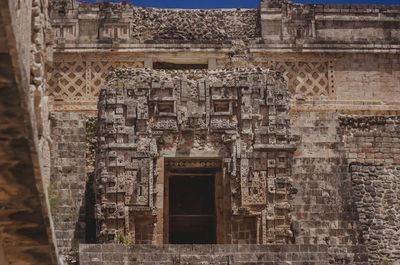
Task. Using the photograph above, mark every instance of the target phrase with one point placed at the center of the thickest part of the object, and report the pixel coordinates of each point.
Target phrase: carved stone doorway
(192, 198)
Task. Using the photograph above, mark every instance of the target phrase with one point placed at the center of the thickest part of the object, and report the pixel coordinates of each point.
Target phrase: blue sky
(239, 3)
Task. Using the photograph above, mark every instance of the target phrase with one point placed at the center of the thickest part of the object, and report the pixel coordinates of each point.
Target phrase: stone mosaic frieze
(239, 116)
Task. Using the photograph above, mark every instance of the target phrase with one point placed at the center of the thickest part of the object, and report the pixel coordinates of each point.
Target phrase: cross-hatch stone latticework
(72, 84)
(239, 116)
(309, 79)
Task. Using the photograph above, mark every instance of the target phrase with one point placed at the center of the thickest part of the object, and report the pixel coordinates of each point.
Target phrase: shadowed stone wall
(26, 227)
(68, 181)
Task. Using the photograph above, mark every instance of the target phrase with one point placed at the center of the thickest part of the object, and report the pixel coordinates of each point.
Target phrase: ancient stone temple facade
(170, 136)
(256, 136)
(162, 129)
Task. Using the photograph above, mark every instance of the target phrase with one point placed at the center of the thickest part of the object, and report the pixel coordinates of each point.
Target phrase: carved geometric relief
(67, 80)
(80, 81)
(304, 78)
(192, 163)
(98, 72)
(254, 189)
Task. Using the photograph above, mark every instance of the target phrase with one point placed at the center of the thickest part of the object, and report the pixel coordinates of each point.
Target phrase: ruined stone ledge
(274, 147)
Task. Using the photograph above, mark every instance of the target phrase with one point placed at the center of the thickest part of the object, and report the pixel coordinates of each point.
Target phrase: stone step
(119, 254)
(201, 249)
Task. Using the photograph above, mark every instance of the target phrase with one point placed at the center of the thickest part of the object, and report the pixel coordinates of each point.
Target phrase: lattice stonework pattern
(80, 81)
(310, 79)
(67, 80)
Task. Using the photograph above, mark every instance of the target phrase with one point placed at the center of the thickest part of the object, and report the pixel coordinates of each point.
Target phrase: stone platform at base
(96, 254)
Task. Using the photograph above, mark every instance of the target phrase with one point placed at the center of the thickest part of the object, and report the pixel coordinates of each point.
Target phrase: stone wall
(338, 25)
(292, 26)
(322, 50)
(328, 209)
(372, 147)
(353, 83)
(338, 204)
(345, 173)
(68, 181)
(138, 24)
(371, 139)
(26, 227)
(376, 195)
(322, 213)
(373, 79)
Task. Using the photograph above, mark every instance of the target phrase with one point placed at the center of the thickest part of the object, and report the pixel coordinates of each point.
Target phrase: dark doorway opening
(192, 209)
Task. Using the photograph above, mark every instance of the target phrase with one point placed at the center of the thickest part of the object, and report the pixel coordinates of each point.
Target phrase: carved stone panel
(239, 119)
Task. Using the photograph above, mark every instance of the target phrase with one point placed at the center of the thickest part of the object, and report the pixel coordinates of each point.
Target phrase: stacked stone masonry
(204, 254)
(322, 213)
(68, 181)
(372, 145)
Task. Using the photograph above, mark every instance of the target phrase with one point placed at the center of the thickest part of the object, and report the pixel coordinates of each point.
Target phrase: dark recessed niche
(173, 66)
(221, 106)
(191, 210)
